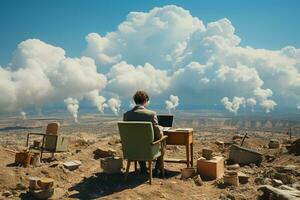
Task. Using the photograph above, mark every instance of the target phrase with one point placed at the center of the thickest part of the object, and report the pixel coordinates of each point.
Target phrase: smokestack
(172, 103)
(114, 105)
(72, 106)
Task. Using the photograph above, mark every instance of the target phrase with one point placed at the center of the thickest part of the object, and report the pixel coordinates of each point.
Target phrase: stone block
(72, 165)
(210, 169)
(111, 165)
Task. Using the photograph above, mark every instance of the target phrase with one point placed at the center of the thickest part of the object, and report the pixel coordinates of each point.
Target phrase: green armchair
(138, 145)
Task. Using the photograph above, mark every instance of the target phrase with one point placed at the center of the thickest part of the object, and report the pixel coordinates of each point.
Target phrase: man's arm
(158, 130)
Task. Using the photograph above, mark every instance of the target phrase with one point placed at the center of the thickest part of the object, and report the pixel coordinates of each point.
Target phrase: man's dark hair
(140, 97)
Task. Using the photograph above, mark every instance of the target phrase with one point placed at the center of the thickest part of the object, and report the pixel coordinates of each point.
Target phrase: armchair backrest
(52, 128)
(137, 138)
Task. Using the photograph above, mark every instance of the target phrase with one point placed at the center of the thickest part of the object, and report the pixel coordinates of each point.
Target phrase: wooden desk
(182, 137)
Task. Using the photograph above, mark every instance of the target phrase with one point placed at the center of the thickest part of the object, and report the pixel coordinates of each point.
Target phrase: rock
(285, 178)
(286, 169)
(102, 153)
(59, 193)
(286, 193)
(220, 143)
(243, 178)
(274, 144)
(233, 167)
(294, 147)
(198, 181)
(277, 182)
(270, 158)
(296, 185)
(21, 186)
(235, 137)
(72, 165)
(85, 141)
(7, 193)
(263, 181)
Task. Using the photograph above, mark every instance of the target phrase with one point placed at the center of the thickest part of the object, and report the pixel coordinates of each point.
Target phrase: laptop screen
(165, 120)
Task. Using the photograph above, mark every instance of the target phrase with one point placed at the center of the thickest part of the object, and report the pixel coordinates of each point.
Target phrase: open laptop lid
(165, 120)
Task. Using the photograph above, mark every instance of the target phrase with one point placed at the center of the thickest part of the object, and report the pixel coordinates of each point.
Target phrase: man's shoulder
(149, 112)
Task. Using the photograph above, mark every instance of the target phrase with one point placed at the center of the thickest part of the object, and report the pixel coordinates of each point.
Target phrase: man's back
(139, 113)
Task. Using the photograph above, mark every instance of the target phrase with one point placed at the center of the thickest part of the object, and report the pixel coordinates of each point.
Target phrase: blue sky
(237, 54)
(270, 24)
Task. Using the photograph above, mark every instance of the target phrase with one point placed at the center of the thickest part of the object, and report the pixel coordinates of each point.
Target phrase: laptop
(166, 121)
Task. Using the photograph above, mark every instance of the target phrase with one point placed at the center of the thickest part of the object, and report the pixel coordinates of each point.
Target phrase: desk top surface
(179, 130)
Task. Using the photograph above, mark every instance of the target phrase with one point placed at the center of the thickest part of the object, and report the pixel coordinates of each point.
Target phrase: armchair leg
(162, 166)
(135, 166)
(127, 170)
(150, 171)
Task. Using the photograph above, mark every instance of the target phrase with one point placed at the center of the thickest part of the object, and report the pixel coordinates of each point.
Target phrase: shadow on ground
(102, 184)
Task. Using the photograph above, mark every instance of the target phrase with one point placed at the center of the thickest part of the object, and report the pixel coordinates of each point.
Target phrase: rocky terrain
(279, 167)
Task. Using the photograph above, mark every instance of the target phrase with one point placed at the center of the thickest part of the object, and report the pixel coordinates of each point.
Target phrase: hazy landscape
(98, 130)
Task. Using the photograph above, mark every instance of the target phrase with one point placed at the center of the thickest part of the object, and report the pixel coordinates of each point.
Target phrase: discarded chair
(138, 145)
(52, 142)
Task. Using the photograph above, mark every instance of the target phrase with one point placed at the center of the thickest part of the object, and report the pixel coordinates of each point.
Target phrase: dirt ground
(88, 182)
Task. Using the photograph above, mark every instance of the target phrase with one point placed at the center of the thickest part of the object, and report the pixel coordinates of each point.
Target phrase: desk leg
(187, 154)
(192, 156)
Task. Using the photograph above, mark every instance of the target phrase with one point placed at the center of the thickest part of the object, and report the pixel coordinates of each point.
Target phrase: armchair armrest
(41, 134)
(36, 133)
(163, 138)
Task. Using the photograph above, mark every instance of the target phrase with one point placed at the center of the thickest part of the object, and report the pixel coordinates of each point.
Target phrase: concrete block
(72, 165)
(211, 169)
(244, 156)
(111, 165)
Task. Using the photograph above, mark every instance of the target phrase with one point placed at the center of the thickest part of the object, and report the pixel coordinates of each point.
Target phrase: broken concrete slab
(273, 193)
(244, 156)
(72, 165)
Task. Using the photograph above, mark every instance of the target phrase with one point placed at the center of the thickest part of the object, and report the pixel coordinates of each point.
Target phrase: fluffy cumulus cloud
(163, 51)
(201, 63)
(40, 74)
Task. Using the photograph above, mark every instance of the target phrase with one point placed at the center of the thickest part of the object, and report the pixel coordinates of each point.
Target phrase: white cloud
(40, 74)
(125, 79)
(163, 51)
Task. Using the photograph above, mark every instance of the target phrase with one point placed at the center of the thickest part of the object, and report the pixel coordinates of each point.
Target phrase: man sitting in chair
(140, 113)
